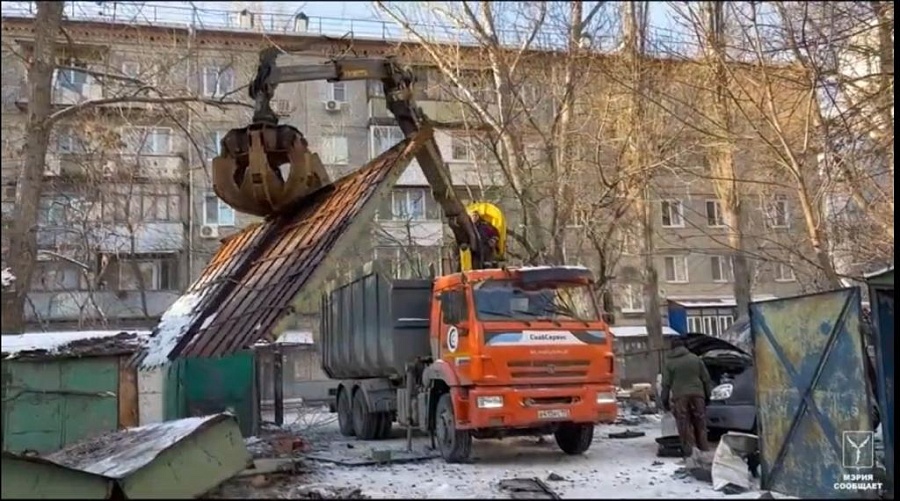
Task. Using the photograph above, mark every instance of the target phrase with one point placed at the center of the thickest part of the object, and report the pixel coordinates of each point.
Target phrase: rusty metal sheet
(257, 275)
(812, 396)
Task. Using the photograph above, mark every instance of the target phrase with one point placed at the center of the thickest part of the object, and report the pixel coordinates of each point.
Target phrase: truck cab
(521, 351)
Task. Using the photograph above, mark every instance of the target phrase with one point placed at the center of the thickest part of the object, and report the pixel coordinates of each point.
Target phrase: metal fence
(186, 15)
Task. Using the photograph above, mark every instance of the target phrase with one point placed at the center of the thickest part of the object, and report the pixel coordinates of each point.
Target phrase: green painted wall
(23, 479)
(203, 386)
(49, 404)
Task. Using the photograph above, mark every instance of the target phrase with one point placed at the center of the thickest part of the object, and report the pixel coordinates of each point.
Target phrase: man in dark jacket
(687, 381)
(489, 238)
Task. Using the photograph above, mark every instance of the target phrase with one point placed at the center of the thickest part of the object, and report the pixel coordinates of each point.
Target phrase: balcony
(67, 95)
(111, 238)
(441, 112)
(82, 305)
(127, 167)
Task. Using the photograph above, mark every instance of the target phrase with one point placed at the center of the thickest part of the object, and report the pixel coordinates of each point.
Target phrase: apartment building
(129, 217)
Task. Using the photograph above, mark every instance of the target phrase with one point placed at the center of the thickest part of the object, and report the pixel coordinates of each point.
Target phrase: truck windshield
(500, 300)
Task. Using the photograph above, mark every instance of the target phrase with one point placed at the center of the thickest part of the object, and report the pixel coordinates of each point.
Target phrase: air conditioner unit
(53, 167)
(9, 192)
(281, 106)
(209, 231)
(332, 105)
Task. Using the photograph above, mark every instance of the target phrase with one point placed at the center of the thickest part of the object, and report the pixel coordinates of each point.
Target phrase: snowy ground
(612, 468)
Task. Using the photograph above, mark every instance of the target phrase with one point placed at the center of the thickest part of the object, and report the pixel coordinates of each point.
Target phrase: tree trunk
(23, 234)
(721, 157)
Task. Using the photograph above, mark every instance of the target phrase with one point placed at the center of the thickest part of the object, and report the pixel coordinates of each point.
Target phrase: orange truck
(480, 354)
(486, 352)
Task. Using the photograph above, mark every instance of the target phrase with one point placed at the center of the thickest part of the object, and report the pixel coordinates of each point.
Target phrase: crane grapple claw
(249, 172)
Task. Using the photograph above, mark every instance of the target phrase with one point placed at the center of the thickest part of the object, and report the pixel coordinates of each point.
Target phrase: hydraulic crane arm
(397, 84)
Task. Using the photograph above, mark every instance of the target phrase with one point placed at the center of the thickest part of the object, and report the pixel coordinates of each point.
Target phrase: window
(217, 82)
(54, 276)
(147, 140)
(131, 69)
(383, 138)
(778, 212)
(632, 298)
(722, 268)
(216, 212)
(335, 150)
(147, 273)
(711, 325)
(676, 269)
(337, 91)
(375, 88)
(212, 144)
(579, 218)
(502, 300)
(714, 214)
(784, 272)
(405, 204)
(71, 79)
(461, 149)
(68, 141)
(52, 211)
(160, 208)
(672, 214)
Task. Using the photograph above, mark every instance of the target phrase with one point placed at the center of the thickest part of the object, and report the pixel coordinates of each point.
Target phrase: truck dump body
(258, 274)
(372, 326)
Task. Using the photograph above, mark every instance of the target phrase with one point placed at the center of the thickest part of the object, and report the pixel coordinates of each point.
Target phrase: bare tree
(49, 60)
(515, 74)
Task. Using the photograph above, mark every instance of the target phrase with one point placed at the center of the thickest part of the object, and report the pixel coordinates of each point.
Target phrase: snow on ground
(612, 468)
(51, 341)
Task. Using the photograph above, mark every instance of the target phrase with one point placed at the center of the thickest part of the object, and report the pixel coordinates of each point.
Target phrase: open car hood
(701, 344)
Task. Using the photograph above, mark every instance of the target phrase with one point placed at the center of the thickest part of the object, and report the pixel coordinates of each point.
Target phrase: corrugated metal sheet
(121, 453)
(811, 392)
(256, 276)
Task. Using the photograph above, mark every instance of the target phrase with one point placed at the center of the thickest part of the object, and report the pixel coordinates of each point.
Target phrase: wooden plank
(129, 414)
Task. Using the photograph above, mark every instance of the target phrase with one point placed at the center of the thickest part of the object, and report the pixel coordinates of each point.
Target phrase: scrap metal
(257, 276)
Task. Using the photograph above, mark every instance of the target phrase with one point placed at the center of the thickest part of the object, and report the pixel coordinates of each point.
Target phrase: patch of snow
(173, 325)
(52, 341)
(291, 337)
(6, 277)
(208, 320)
(567, 267)
(721, 302)
(639, 331)
(611, 467)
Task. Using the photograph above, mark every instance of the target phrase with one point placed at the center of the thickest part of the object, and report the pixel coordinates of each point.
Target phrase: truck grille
(548, 368)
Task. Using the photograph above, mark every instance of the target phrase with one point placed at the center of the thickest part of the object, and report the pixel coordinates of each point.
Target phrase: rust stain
(255, 276)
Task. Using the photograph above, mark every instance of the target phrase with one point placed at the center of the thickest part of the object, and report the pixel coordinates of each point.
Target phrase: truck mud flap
(527, 488)
(257, 276)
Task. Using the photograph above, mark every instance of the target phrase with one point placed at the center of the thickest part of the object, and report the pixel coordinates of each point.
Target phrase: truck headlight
(606, 398)
(722, 392)
(489, 402)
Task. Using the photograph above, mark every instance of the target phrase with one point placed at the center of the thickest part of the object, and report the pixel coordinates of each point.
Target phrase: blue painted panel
(882, 300)
(677, 317)
(811, 388)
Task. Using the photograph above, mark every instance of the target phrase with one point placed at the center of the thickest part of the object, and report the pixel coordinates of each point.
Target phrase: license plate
(553, 414)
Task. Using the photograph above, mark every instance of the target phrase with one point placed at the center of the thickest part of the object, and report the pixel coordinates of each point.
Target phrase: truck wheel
(365, 423)
(574, 438)
(385, 425)
(455, 445)
(345, 413)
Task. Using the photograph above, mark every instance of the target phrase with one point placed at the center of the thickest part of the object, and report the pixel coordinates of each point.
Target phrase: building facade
(129, 218)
